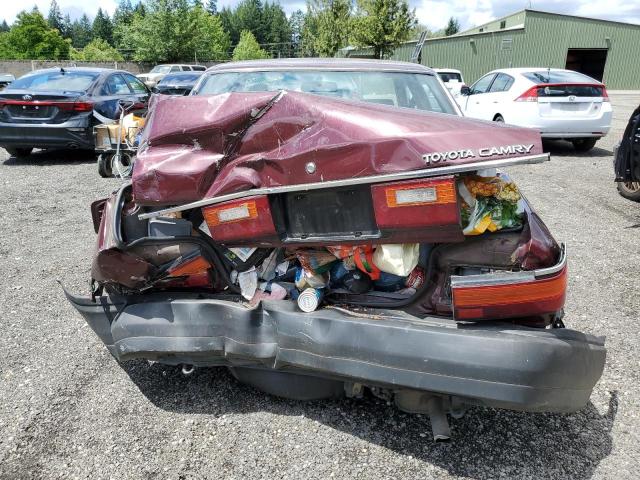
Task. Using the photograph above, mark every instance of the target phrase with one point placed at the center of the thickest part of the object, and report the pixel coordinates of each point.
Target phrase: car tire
(19, 152)
(104, 165)
(630, 190)
(499, 119)
(583, 145)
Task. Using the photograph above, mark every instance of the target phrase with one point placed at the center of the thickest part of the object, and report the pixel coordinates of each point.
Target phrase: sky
(433, 14)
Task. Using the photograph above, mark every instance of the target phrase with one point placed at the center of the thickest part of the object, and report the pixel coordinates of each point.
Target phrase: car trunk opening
(292, 197)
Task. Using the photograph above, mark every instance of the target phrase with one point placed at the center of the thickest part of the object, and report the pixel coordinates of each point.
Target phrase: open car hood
(201, 147)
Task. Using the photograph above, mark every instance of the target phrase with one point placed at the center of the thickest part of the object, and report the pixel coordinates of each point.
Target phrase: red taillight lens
(64, 106)
(416, 203)
(510, 300)
(530, 95)
(240, 219)
(605, 95)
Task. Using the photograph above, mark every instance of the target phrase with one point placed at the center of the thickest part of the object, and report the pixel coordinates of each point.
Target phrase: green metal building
(605, 50)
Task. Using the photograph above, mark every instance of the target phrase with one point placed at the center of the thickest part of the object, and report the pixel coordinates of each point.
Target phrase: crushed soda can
(309, 299)
(415, 279)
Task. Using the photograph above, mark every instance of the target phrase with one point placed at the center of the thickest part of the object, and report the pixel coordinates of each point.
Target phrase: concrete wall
(20, 67)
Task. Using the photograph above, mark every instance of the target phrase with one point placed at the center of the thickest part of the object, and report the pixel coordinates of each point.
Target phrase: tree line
(196, 30)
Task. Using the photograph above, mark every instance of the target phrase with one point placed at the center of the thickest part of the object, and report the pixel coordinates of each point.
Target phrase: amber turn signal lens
(192, 266)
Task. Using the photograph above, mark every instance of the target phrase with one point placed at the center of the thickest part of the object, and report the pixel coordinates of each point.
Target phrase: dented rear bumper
(499, 365)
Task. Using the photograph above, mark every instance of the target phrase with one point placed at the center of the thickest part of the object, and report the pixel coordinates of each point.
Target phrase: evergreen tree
(122, 18)
(55, 16)
(249, 16)
(278, 30)
(81, 32)
(453, 27)
(66, 26)
(140, 9)
(4, 27)
(212, 7)
(296, 25)
(102, 27)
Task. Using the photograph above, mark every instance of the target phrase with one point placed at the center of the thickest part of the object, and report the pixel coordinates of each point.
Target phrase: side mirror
(464, 90)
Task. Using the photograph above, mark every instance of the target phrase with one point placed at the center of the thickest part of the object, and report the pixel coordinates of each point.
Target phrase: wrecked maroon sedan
(319, 246)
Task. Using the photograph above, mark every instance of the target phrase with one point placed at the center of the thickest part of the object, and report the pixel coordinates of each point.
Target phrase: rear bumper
(75, 133)
(497, 365)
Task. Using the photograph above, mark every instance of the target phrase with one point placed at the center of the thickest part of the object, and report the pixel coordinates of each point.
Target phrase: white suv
(559, 103)
(159, 71)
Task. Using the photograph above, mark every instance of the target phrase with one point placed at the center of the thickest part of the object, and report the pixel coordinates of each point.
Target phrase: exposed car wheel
(583, 144)
(104, 165)
(630, 190)
(499, 119)
(19, 152)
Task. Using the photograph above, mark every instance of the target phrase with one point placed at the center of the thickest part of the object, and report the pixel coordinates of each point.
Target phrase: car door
(114, 88)
(474, 104)
(495, 98)
(140, 90)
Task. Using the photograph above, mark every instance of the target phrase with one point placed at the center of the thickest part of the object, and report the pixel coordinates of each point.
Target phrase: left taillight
(416, 203)
(510, 295)
(240, 219)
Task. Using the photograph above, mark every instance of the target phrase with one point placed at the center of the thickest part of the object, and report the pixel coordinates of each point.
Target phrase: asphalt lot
(68, 410)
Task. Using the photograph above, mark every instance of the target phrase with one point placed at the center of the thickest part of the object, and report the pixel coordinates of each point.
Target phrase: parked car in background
(351, 232)
(179, 83)
(561, 104)
(451, 78)
(58, 107)
(160, 71)
(6, 79)
(627, 159)
(396, 84)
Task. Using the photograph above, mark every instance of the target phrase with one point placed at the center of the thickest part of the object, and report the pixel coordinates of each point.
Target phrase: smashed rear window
(56, 81)
(398, 89)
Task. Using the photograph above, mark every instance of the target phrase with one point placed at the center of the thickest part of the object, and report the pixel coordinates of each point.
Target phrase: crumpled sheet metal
(198, 147)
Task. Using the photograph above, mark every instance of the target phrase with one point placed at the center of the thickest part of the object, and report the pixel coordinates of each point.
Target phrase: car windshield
(557, 76)
(161, 69)
(450, 76)
(409, 90)
(58, 80)
(181, 78)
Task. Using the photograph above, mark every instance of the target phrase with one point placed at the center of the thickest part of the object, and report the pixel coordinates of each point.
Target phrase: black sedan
(58, 107)
(179, 83)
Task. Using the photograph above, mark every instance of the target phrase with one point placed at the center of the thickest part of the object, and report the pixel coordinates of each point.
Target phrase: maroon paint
(200, 147)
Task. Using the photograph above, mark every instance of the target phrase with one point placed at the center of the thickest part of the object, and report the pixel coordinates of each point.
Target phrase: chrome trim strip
(387, 177)
(503, 278)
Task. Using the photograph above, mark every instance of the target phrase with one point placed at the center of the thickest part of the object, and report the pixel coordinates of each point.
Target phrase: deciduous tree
(382, 24)
(98, 50)
(175, 30)
(31, 37)
(248, 48)
(326, 28)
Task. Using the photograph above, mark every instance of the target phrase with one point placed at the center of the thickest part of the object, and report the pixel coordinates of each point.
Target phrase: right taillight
(605, 95)
(530, 95)
(508, 296)
(244, 219)
(416, 203)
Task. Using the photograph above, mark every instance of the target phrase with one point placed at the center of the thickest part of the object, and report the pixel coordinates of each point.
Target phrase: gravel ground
(67, 410)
